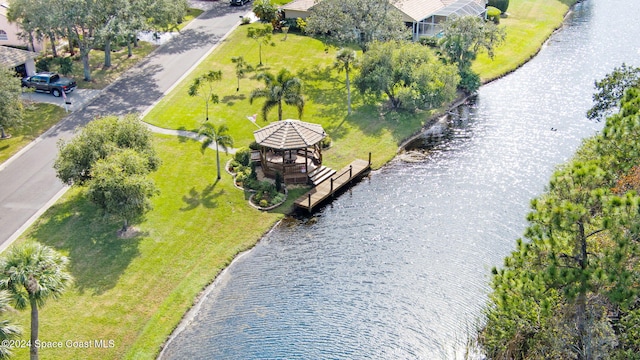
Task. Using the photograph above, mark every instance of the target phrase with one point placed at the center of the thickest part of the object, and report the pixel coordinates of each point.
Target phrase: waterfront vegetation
(570, 289)
(134, 291)
(528, 26)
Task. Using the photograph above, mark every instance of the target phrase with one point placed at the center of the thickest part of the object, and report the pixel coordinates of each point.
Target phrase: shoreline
(191, 313)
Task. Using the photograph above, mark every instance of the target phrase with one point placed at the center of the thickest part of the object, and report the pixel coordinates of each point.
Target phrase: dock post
(350, 171)
(309, 202)
(331, 190)
(369, 158)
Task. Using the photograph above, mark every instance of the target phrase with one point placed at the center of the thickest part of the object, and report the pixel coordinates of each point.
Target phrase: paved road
(28, 184)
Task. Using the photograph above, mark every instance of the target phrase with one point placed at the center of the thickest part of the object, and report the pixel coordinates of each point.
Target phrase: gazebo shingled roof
(289, 135)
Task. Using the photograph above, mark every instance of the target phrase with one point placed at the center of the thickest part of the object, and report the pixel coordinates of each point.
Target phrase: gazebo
(290, 147)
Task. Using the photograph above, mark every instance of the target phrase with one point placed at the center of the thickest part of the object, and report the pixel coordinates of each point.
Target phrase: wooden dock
(331, 185)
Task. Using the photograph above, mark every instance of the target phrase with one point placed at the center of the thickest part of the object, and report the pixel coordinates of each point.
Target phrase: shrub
(301, 24)
(265, 10)
(429, 41)
(240, 178)
(278, 181)
(243, 156)
(253, 174)
(246, 20)
(264, 203)
(43, 64)
(254, 146)
(501, 5)
(278, 198)
(66, 65)
(493, 14)
(234, 165)
(326, 142)
(469, 81)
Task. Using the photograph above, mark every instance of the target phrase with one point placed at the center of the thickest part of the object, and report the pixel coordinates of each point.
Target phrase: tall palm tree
(283, 87)
(346, 60)
(218, 135)
(32, 273)
(7, 330)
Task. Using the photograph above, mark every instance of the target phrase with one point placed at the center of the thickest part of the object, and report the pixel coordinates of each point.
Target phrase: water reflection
(397, 267)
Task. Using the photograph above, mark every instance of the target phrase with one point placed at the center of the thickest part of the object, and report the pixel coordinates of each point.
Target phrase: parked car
(50, 82)
(238, 2)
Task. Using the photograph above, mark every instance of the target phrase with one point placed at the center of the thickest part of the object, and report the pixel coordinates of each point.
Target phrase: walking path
(29, 183)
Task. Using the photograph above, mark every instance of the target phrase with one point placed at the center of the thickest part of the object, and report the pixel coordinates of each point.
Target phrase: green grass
(135, 291)
(369, 128)
(38, 118)
(529, 25)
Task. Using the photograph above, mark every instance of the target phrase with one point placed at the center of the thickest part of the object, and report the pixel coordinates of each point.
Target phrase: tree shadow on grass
(206, 198)
(230, 100)
(98, 257)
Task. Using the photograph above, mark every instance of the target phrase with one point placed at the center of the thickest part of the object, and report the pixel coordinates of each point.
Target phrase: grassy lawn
(529, 25)
(367, 129)
(135, 291)
(38, 118)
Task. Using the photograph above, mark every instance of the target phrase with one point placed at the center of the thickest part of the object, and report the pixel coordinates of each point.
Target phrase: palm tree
(32, 273)
(346, 60)
(283, 87)
(7, 331)
(220, 136)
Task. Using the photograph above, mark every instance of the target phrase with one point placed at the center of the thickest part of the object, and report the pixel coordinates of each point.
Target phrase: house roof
(289, 134)
(461, 8)
(416, 10)
(11, 57)
(4, 7)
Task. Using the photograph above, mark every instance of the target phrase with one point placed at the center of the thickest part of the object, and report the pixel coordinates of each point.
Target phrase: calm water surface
(398, 267)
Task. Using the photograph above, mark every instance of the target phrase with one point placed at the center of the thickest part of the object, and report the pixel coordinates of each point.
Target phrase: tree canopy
(10, 101)
(571, 288)
(32, 274)
(283, 87)
(410, 74)
(120, 185)
(463, 38)
(610, 89)
(91, 24)
(100, 139)
(357, 21)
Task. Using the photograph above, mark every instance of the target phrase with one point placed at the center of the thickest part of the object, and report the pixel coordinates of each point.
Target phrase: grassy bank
(135, 291)
(528, 26)
(38, 118)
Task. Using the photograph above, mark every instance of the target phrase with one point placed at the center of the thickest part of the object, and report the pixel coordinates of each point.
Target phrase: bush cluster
(501, 5)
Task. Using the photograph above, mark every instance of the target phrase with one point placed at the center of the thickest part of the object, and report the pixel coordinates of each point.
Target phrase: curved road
(28, 182)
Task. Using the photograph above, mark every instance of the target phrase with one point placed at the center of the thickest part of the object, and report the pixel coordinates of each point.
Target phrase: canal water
(398, 267)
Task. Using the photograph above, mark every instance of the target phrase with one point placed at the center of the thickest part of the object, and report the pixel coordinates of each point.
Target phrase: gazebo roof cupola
(289, 134)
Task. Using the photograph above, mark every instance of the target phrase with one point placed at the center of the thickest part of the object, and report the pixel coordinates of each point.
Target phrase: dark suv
(50, 82)
(238, 2)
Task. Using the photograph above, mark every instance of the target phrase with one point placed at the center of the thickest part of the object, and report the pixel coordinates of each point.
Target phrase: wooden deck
(331, 185)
